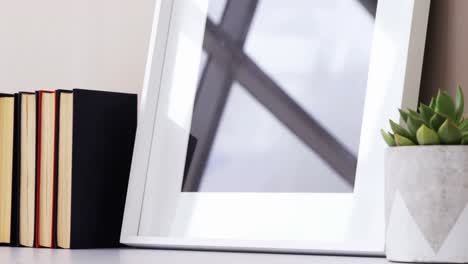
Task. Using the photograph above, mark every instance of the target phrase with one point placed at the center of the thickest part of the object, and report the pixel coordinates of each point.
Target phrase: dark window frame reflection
(227, 63)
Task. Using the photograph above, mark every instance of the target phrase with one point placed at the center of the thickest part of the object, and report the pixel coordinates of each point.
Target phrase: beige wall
(100, 44)
(446, 54)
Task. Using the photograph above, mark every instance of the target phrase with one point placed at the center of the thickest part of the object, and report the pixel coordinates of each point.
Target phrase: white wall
(51, 44)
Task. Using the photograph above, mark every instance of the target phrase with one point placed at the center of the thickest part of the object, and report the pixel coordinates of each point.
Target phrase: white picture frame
(155, 180)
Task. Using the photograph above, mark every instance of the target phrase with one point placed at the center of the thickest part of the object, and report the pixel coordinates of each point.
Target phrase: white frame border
(394, 79)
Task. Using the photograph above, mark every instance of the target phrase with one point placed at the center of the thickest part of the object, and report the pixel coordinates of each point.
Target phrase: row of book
(65, 159)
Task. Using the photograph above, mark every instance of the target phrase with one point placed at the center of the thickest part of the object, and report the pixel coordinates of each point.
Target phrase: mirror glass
(280, 96)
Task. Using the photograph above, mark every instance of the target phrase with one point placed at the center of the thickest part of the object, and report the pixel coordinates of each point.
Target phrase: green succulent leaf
(414, 124)
(432, 103)
(464, 138)
(388, 137)
(416, 116)
(403, 114)
(463, 125)
(397, 129)
(449, 133)
(427, 136)
(412, 112)
(403, 141)
(436, 121)
(459, 104)
(445, 106)
(426, 113)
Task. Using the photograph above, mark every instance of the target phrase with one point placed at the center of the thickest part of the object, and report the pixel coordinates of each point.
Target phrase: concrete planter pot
(426, 193)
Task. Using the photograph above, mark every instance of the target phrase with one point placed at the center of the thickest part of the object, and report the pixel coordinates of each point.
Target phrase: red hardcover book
(46, 166)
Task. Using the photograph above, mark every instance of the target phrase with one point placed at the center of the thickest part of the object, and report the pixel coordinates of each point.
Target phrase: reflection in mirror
(280, 97)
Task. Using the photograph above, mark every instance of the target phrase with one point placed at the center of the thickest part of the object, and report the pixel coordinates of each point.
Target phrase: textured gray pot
(426, 192)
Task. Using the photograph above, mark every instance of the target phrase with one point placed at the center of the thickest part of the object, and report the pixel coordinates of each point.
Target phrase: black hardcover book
(15, 199)
(96, 133)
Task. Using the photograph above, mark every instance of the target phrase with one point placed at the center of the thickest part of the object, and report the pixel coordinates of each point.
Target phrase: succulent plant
(439, 123)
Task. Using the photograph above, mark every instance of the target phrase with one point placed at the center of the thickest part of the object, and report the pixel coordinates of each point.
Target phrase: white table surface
(142, 256)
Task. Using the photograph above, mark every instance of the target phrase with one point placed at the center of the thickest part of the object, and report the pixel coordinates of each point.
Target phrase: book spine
(15, 199)
(38, 165)
(55, 177)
